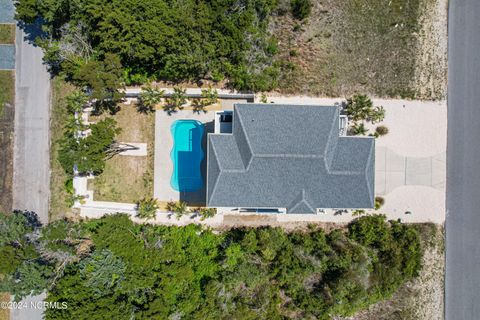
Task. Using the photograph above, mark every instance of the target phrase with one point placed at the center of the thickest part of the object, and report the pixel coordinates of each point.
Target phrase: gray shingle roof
(285, 156)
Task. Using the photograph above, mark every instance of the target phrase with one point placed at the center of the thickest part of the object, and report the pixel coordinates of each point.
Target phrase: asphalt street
(31, 178)
(462, 283)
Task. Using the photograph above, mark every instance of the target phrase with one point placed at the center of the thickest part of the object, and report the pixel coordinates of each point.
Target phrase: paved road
(462, 282)
(31, 178)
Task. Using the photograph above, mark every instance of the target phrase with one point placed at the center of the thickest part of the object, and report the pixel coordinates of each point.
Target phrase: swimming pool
(186, 155)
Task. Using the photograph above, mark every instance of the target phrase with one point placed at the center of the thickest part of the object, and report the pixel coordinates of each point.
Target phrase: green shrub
(379, 202)
(381, 130)
(301, 9)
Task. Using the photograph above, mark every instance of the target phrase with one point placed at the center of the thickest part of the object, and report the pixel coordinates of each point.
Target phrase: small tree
(206, 213)
(199, 106)
(377, 115)
(209, 96)
(179, 208)
(176, 100)
(148, 98)
(359, 129)
(147, 208)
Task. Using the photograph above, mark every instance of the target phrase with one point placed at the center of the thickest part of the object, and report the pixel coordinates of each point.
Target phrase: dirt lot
(7, 98)
(128, 178)
(384, 48)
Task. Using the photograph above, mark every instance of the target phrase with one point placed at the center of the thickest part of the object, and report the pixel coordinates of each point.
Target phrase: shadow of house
(197, 198)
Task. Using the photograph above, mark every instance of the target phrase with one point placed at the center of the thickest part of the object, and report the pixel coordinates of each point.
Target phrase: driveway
(31, 178)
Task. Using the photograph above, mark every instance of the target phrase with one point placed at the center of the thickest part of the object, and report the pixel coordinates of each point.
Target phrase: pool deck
(163, 169)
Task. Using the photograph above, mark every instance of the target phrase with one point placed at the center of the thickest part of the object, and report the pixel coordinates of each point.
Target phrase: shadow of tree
(198, 106)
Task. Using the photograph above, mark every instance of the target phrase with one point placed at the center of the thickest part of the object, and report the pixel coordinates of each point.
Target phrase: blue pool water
(187, 155)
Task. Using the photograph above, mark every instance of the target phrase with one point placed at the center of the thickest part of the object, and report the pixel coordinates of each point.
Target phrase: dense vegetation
(87, 153)
(112, 268)
(157, 39)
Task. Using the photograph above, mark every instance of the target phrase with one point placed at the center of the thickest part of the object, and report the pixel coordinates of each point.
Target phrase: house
(289, 158)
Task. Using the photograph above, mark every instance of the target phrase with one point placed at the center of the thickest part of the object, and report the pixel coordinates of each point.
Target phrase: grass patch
(7, 33)
(351, 46)
(7, 89)
(127, 178)
(58, 194)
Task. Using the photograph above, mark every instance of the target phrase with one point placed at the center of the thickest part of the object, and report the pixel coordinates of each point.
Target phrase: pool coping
(163, 166)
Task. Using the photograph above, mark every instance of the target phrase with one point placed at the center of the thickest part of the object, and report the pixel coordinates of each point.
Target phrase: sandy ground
(431, 61)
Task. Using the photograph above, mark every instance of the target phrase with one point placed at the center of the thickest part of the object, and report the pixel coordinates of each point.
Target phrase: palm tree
(180, 209)
(359, 129)
(207, 213)
(209, 96)
(147, 208)
(176, 100)
(148, 98)
(360, 107)
(199, 106)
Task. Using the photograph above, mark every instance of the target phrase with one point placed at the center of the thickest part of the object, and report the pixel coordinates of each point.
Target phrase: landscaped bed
(7, 33)
(127, 178)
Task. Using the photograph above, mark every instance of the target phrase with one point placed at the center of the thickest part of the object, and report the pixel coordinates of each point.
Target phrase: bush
(381, 130)
(379, 202)
(301, 8)
(358, 129)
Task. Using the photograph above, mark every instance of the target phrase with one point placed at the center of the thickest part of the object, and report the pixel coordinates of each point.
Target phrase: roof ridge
(301, 200)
